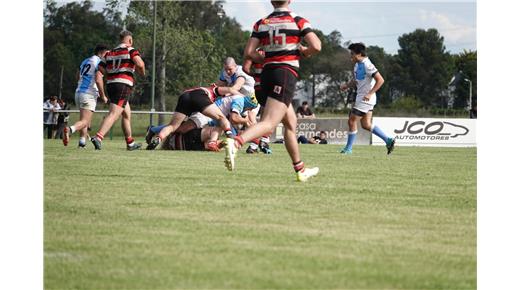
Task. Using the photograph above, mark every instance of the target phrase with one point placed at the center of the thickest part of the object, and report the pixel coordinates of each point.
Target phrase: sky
(375, 23)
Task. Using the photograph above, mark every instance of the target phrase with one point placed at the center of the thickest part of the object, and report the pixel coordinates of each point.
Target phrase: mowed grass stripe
(163, 219)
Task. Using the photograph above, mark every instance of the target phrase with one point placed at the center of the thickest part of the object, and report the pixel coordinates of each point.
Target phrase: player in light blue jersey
(368, 81)
(90, 87)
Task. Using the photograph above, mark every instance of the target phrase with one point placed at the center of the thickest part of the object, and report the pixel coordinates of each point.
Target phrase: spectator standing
(50, 118)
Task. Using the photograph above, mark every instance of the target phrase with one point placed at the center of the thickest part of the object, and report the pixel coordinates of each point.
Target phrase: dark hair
(99, 48)
(124, 34)
(358, 48)
(305, 103)
(278, 3)
(323, 132)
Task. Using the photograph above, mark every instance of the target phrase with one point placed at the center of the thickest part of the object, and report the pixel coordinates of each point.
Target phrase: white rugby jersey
(247, 88)
(364, 72)
(87, 76)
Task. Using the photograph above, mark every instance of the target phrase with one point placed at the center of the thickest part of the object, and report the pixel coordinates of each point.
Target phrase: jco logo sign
(438, 128)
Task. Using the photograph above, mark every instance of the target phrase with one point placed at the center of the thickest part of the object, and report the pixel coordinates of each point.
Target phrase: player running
(280, 34)
(255, 70)
(90, 87)
(368, 81)
(119, 66)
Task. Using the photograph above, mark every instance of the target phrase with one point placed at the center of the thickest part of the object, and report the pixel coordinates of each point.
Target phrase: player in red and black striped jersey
(119, 66)
(280, 34)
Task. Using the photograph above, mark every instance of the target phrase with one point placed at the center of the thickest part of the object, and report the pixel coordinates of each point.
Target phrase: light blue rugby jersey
(87, 76)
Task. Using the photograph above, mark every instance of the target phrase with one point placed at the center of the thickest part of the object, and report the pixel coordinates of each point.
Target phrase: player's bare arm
(228, 90)
(314, 45)
(379, 82)
(250, 51)
(139, 65)
(236, 119)
(239, 83)
(100, 84)
(246, 67)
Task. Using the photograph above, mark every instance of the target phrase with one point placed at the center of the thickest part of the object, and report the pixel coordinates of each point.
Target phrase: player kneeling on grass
(367, 81)
(202, 100)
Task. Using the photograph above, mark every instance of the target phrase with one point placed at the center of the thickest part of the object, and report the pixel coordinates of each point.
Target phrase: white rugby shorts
(199, 119)
(86, 101)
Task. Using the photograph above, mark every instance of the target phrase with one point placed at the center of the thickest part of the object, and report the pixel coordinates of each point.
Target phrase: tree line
(193, 38)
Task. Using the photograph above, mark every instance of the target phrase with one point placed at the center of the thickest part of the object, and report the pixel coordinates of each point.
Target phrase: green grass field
(162, 220)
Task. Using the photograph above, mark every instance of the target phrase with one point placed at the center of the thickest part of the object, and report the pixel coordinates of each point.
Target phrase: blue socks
(350, 140)
(379, 133)
(157, 129)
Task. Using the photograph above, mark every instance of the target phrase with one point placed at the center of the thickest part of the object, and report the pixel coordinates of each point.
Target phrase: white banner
(428, 131)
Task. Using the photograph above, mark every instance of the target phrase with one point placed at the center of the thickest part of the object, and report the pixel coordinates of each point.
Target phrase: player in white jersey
(90, 87)
(368, 81)
(233, 76)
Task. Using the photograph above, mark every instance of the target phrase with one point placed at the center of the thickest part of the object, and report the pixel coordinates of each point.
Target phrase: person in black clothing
(304, 112)
(318, 139)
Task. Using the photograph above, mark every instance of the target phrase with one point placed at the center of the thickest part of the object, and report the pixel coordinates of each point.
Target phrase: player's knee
(367, 126)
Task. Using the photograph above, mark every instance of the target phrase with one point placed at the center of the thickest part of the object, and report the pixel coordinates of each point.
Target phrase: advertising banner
(335, 130)
(428, 131)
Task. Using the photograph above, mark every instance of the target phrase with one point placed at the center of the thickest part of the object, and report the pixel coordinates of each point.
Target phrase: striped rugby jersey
(211, 92)
(119, 65)
(280, 34)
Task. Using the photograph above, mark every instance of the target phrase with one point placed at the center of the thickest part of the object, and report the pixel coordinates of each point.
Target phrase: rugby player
(90, 88)
(280, 34)
(119, 66)
(368, 81)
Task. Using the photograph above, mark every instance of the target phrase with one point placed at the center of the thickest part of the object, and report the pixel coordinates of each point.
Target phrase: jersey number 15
(276, 38)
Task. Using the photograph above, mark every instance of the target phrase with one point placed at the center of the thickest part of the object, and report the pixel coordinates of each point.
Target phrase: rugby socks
(82, 141)
(228, 133)
(72, 129)
(254, 144)
(129, 141)
(239, 141)
(298, 166)
(265, 139)
(379, 133)
(157, 129)
(350, 139)
(100, 136)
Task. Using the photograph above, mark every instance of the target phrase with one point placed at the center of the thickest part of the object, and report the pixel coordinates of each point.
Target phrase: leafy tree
(327, 70)
(424, 66)
(466, 62)
(71, 32)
